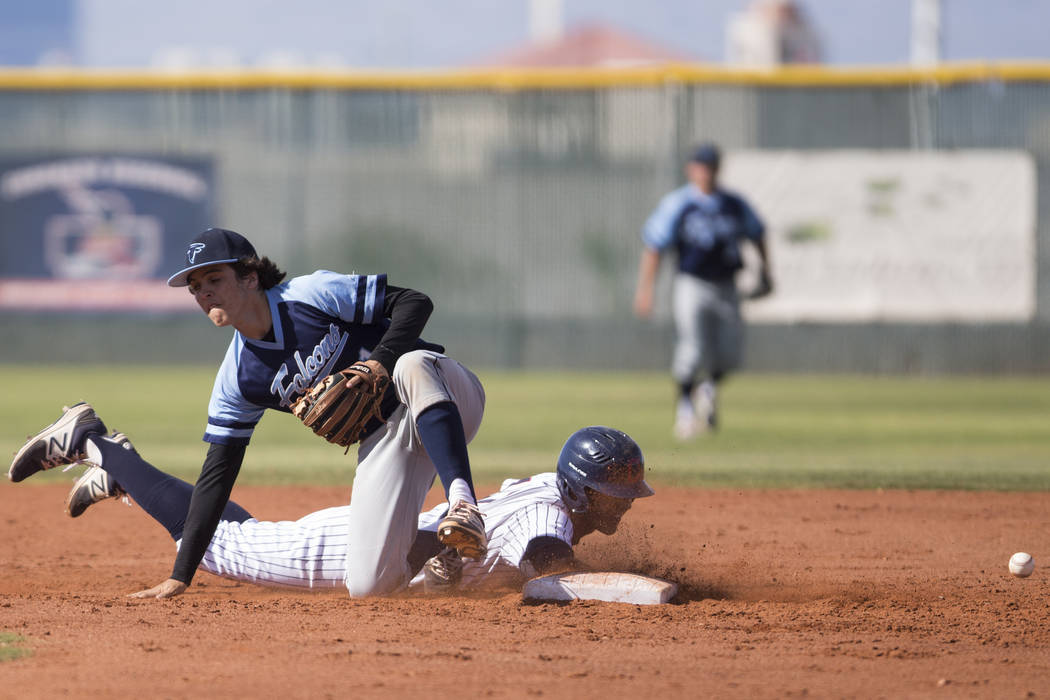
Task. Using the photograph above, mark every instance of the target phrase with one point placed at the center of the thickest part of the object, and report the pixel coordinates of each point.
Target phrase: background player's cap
(214, 246)
(707, 154)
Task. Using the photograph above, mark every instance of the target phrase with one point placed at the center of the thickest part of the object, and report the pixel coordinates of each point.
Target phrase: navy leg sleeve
(164, 497)
(441, 430)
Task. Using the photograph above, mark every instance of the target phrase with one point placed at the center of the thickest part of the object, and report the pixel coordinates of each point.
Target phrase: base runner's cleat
(464, 530)
(96, 484)
(443, 571)
(60, 443)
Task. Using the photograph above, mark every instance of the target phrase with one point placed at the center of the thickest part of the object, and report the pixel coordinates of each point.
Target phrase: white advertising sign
(893, 235)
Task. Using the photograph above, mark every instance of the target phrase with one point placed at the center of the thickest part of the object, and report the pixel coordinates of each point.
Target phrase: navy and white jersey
(311, 552)
(521, 511)
(705, 230)
(322, 323)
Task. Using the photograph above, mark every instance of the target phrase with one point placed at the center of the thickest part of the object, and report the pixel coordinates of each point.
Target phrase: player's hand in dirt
(168, 589)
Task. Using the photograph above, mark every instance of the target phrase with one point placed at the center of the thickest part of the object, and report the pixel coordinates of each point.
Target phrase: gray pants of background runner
(709, 329)
(394, 471)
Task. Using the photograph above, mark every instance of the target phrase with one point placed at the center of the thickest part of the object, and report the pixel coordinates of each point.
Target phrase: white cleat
(443, 572)
(463, 529)
(96, 484)
(686, 425)
(58, 444)
(93, 486)
(706, 400)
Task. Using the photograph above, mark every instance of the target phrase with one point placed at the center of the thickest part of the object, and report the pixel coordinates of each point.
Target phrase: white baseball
(1022, 564)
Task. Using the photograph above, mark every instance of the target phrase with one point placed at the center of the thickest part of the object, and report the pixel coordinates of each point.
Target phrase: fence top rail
(507, 79)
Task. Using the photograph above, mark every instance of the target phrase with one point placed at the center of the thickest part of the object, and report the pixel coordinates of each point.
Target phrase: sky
(447, 33)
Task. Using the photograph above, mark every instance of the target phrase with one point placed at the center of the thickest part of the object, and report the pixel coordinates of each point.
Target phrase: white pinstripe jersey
(521, 511)
(311, 552)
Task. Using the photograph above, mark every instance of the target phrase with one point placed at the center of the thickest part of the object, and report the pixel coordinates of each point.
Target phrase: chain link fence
(518, 209)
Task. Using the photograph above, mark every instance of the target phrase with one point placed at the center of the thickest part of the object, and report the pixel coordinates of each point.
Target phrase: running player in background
(705, 226)
(532, 524)
(288, 336)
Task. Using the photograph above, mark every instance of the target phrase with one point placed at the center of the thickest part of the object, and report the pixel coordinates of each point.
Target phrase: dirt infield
(786, 593)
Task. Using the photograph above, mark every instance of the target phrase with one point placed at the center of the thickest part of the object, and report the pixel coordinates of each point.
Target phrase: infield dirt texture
(784, 593)
(826, 592)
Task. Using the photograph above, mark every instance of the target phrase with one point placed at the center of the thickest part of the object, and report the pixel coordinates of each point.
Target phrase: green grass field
(779, 431)
(13, 646)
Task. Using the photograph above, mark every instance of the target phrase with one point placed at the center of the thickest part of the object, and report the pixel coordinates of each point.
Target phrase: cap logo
(191, 254)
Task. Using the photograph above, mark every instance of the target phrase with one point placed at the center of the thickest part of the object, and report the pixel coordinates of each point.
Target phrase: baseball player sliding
(288, 337)
(532, 523)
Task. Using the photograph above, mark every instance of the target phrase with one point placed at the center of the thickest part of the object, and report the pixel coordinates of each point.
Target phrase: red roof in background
(590, 45)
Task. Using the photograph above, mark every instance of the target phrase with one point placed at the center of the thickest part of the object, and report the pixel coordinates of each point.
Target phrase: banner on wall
(99, 232)
(858, 236)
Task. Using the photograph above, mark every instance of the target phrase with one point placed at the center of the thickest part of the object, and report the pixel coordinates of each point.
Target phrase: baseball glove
(338, 412)
(763, 289)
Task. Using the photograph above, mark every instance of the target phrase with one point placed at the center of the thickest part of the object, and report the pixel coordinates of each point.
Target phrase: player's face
(221, 294)
(703, 176)
(606, 511)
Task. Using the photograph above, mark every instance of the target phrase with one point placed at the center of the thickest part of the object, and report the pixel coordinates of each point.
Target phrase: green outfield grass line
(780, 431)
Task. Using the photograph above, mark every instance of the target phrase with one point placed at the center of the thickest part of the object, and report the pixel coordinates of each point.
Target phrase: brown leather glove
(338, 409)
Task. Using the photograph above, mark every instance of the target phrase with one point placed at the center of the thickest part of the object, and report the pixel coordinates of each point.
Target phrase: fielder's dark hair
(269, 275)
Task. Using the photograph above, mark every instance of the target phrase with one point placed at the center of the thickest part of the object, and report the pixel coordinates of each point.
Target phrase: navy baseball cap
(707, 154)
(213, 247)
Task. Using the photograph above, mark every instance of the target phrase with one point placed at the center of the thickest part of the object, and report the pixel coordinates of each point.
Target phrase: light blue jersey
(705, 230)
(322, 323)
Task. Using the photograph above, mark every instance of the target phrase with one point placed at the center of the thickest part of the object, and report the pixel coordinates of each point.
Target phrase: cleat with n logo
(60, 443)
(96, 485)
(56, 447)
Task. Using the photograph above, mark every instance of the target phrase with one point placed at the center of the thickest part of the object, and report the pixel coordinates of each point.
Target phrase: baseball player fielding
(287, 337)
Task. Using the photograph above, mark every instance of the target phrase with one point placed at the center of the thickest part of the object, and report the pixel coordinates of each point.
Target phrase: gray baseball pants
(709, 329)
(394, 472)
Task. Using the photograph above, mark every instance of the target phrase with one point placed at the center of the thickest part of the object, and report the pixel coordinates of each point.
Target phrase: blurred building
(592, 46)
(554, 130)
(771, 33)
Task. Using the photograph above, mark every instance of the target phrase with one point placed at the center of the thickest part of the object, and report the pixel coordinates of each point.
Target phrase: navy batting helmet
(603, 459)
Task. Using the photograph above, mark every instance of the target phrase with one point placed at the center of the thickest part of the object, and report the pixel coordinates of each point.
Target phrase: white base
(600, 585)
